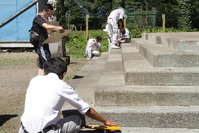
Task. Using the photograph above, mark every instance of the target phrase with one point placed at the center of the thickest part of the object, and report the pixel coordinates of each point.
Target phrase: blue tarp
(17, 28)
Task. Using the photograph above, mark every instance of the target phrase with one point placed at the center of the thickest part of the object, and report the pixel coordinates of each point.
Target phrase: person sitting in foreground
(44, 99)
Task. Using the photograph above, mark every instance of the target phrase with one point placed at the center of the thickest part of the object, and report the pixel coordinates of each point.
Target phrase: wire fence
(143, 17)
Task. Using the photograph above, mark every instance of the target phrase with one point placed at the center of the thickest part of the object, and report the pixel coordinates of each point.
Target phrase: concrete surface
(124, 86)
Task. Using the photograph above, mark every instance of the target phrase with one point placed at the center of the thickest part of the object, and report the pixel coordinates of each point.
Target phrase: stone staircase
(150, 85)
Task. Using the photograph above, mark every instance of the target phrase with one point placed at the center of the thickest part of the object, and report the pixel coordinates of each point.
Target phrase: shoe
(114, 47)
(88, 59)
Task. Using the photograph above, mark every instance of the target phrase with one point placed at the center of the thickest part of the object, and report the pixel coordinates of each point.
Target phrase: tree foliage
(74, 12)
(184, 20)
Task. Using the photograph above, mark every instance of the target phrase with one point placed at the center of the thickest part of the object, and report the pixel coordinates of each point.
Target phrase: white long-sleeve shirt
(44, 99)
(117, 14)
(95, 46)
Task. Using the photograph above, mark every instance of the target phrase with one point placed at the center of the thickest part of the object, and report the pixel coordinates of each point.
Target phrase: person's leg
(89, 50)
(70, 124)
(113, 27)
(43, 56)
(109, 44)
(95, 52)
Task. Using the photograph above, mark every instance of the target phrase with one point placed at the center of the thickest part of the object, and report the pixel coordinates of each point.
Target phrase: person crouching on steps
(93, 48)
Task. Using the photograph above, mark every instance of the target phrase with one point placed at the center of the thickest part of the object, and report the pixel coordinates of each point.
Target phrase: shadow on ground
(77, 77)
(4, 118)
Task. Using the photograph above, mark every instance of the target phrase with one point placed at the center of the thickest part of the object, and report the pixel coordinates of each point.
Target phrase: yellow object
(103, 127)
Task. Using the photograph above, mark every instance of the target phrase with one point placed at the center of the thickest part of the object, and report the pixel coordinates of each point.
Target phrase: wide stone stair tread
(151, 116)
(181, 41)
(89, 75)
(161, 56)
(138, 72)
(147, 95)
(126, 86)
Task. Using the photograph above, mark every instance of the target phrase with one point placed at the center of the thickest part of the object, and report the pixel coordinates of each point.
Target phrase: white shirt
(106, 29)
(117, 14)
(44, 99)
(126, 34)
(95, 46)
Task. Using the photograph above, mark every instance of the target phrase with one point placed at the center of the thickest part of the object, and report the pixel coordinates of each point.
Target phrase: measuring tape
(103, 127)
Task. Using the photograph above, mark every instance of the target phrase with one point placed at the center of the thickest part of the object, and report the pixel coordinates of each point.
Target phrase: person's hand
(110, 123)
(62, 30)
(64, 37)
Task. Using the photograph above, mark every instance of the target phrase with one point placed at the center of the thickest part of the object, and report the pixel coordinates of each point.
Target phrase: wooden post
(80, 28)
(125, 23)
(87, 27)
(163, 22)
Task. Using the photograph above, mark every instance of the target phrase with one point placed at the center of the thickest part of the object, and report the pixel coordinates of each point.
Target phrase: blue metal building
(16, 20)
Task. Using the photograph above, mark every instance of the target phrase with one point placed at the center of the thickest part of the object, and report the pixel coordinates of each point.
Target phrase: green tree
(117, 4)
(184, 20)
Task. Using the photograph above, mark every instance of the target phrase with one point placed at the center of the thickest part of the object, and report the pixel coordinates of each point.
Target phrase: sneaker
(88, 59)
(114, 47)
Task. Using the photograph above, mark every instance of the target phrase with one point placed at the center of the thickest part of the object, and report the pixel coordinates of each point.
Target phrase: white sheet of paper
(56, 36)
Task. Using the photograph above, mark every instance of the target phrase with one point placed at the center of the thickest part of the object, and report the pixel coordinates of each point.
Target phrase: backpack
(34, 38)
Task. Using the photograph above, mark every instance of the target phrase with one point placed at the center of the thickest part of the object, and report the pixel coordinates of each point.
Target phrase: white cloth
(106, 29)
(109, 37)
(112, 21)
(117, 14)
(113, 28)
(44, 99)
(92, 49)
(124, 36)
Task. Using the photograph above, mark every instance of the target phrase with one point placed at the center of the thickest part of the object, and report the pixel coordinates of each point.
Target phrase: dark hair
(55, 65)
(99, 38)
(47, 7)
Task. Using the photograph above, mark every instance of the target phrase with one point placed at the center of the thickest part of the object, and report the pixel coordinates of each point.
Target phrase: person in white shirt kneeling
(93, 48)
(45, 97)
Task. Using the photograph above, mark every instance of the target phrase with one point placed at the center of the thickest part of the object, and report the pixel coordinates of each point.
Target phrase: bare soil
(15, 75)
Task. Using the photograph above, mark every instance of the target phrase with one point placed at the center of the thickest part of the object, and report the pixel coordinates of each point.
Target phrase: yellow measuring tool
(103, 127)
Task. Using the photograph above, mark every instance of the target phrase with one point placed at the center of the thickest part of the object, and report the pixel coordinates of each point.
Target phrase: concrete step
(145, 130)
(147, 96)
(181, 41)
(138, 71)
(157, 130)
(139, 119)
(153, 117)
(161, 56)
(85, 81)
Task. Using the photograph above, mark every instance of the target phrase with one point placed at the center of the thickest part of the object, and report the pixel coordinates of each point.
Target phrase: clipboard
(56, 36)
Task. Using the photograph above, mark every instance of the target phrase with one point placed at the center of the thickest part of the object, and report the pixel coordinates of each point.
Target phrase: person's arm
(95, 42)
(52, 27)
(94, 115)
(120, 24)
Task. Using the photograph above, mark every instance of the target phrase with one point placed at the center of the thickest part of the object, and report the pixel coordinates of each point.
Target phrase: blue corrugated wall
(17, 28)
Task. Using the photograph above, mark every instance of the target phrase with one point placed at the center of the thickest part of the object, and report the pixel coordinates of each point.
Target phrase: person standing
(115, 17)
(106, 30)
(45, 97)
(93, 47)
(42, 27)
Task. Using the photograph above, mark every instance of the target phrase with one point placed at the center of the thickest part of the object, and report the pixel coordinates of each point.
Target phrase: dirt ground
(16, 70)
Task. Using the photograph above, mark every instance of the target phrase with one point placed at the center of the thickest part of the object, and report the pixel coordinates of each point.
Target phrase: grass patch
(15, 61)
